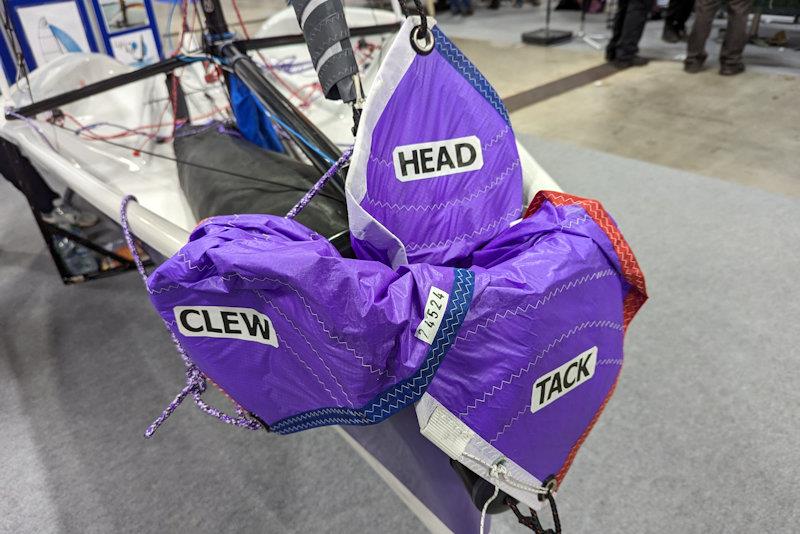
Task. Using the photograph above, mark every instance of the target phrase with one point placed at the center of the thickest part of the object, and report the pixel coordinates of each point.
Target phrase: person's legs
(616, 33)
(632, 28)
(683, 13)
(704, 11)
(676, 15)
(19, 171)
(736, 34)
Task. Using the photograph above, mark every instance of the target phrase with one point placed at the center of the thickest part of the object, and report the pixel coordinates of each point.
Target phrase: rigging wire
(286, 187)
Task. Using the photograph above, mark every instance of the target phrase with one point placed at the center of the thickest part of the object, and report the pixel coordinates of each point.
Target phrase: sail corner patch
(245, 324)
(564, 379)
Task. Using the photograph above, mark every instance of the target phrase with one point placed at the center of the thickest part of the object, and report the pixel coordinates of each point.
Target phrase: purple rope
(34, 126)
(345, 157)
(196, 381)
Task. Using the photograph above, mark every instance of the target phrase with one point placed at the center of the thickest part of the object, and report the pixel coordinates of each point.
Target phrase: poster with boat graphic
(136, 49)
(53, 29)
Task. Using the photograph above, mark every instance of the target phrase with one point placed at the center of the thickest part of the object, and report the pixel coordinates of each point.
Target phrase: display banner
(47, 30)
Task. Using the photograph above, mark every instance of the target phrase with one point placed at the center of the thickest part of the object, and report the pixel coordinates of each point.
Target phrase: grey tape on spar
(329, 53)
(328, 40)
(308, 9)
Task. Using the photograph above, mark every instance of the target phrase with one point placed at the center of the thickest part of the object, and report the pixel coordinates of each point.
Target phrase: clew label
(245, 324)
(563, 380)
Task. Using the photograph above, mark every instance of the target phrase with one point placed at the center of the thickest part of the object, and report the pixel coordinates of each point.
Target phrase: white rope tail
(494, 473)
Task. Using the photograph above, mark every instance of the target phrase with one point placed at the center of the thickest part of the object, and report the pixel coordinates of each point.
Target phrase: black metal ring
(421, 46)
(551, 485)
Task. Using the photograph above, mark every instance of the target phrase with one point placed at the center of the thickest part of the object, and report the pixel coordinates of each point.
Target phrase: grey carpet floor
(701, 436)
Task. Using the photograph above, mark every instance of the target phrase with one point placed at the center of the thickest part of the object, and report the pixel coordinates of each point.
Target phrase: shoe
(469, 12)
(635, 61)
(670, 35)
(693, 65)
(495, 4)
(731, 69)
(69, 216)
(779, 39)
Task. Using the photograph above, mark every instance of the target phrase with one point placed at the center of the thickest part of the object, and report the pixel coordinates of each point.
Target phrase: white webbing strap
(461, 443)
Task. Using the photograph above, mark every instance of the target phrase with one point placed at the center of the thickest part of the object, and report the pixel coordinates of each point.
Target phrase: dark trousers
(677, 13)
(735, 36)
(628, 27)
(15, 168)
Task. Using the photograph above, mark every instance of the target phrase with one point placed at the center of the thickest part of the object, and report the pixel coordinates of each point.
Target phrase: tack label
(563, 380)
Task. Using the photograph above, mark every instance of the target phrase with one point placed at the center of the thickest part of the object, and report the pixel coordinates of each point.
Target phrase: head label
(245, 324)
(564, 379)
(438, 158)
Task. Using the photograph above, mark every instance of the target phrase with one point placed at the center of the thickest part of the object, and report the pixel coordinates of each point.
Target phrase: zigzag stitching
(251, 235)
(502, 133)
(574, 222)
(380, 161)
(625, 254)
(544, 300)
(315, 424)
(469, 71)
(188, 262)
(437, 354)
(316, 317)
(497, 137)
(160, 290)
(511, 422)
(423, 373)
(290, 349)
(441, 205)
(311, 346)
(523, 370)
(493, 224)
(362, 416)
(608, 361)
(463, 286)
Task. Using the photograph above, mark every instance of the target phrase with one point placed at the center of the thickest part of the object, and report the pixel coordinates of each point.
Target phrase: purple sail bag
(505, 331)
(435, 173)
